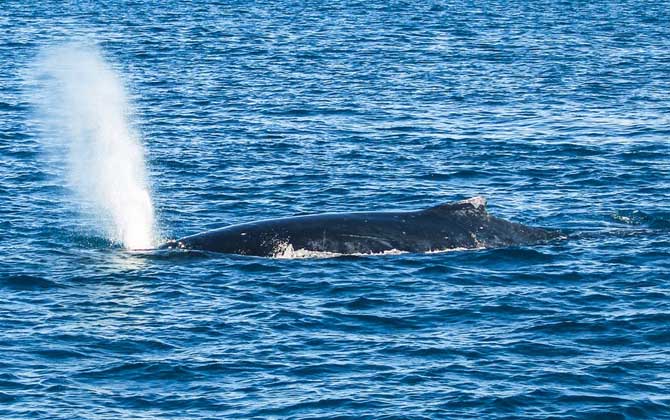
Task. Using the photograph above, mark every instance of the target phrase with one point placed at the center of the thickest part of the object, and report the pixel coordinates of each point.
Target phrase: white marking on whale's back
(477, 202)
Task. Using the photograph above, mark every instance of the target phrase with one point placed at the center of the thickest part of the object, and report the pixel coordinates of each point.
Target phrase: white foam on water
(86, 113)
(443, 251)
(286, 251)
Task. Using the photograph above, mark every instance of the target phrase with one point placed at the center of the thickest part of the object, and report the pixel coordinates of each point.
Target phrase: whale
(458, 225)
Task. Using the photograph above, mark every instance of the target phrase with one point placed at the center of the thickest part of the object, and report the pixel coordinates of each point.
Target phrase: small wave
(461, 174)
(364, 303)
(55, 353)
(257, 267)
(640, 218)
(27, 282)
(7, 398)
(290, 409)
(141, 370)
(303, 112)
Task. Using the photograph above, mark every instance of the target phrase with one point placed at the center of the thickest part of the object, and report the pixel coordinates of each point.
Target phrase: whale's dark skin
(458, 225)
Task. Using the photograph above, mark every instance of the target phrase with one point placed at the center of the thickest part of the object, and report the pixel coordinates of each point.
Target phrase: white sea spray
(86, 114)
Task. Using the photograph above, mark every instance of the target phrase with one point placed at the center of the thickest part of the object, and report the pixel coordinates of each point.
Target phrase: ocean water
(557, 112)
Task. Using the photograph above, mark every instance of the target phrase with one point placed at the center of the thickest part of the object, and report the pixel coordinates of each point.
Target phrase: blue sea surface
(557, 112)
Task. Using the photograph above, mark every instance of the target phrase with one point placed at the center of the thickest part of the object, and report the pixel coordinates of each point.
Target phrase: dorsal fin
(475, 203)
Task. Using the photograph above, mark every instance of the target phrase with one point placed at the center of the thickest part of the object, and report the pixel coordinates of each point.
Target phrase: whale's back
(463, 224)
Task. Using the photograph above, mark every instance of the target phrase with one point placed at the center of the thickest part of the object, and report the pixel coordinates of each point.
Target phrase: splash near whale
(457, 225)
